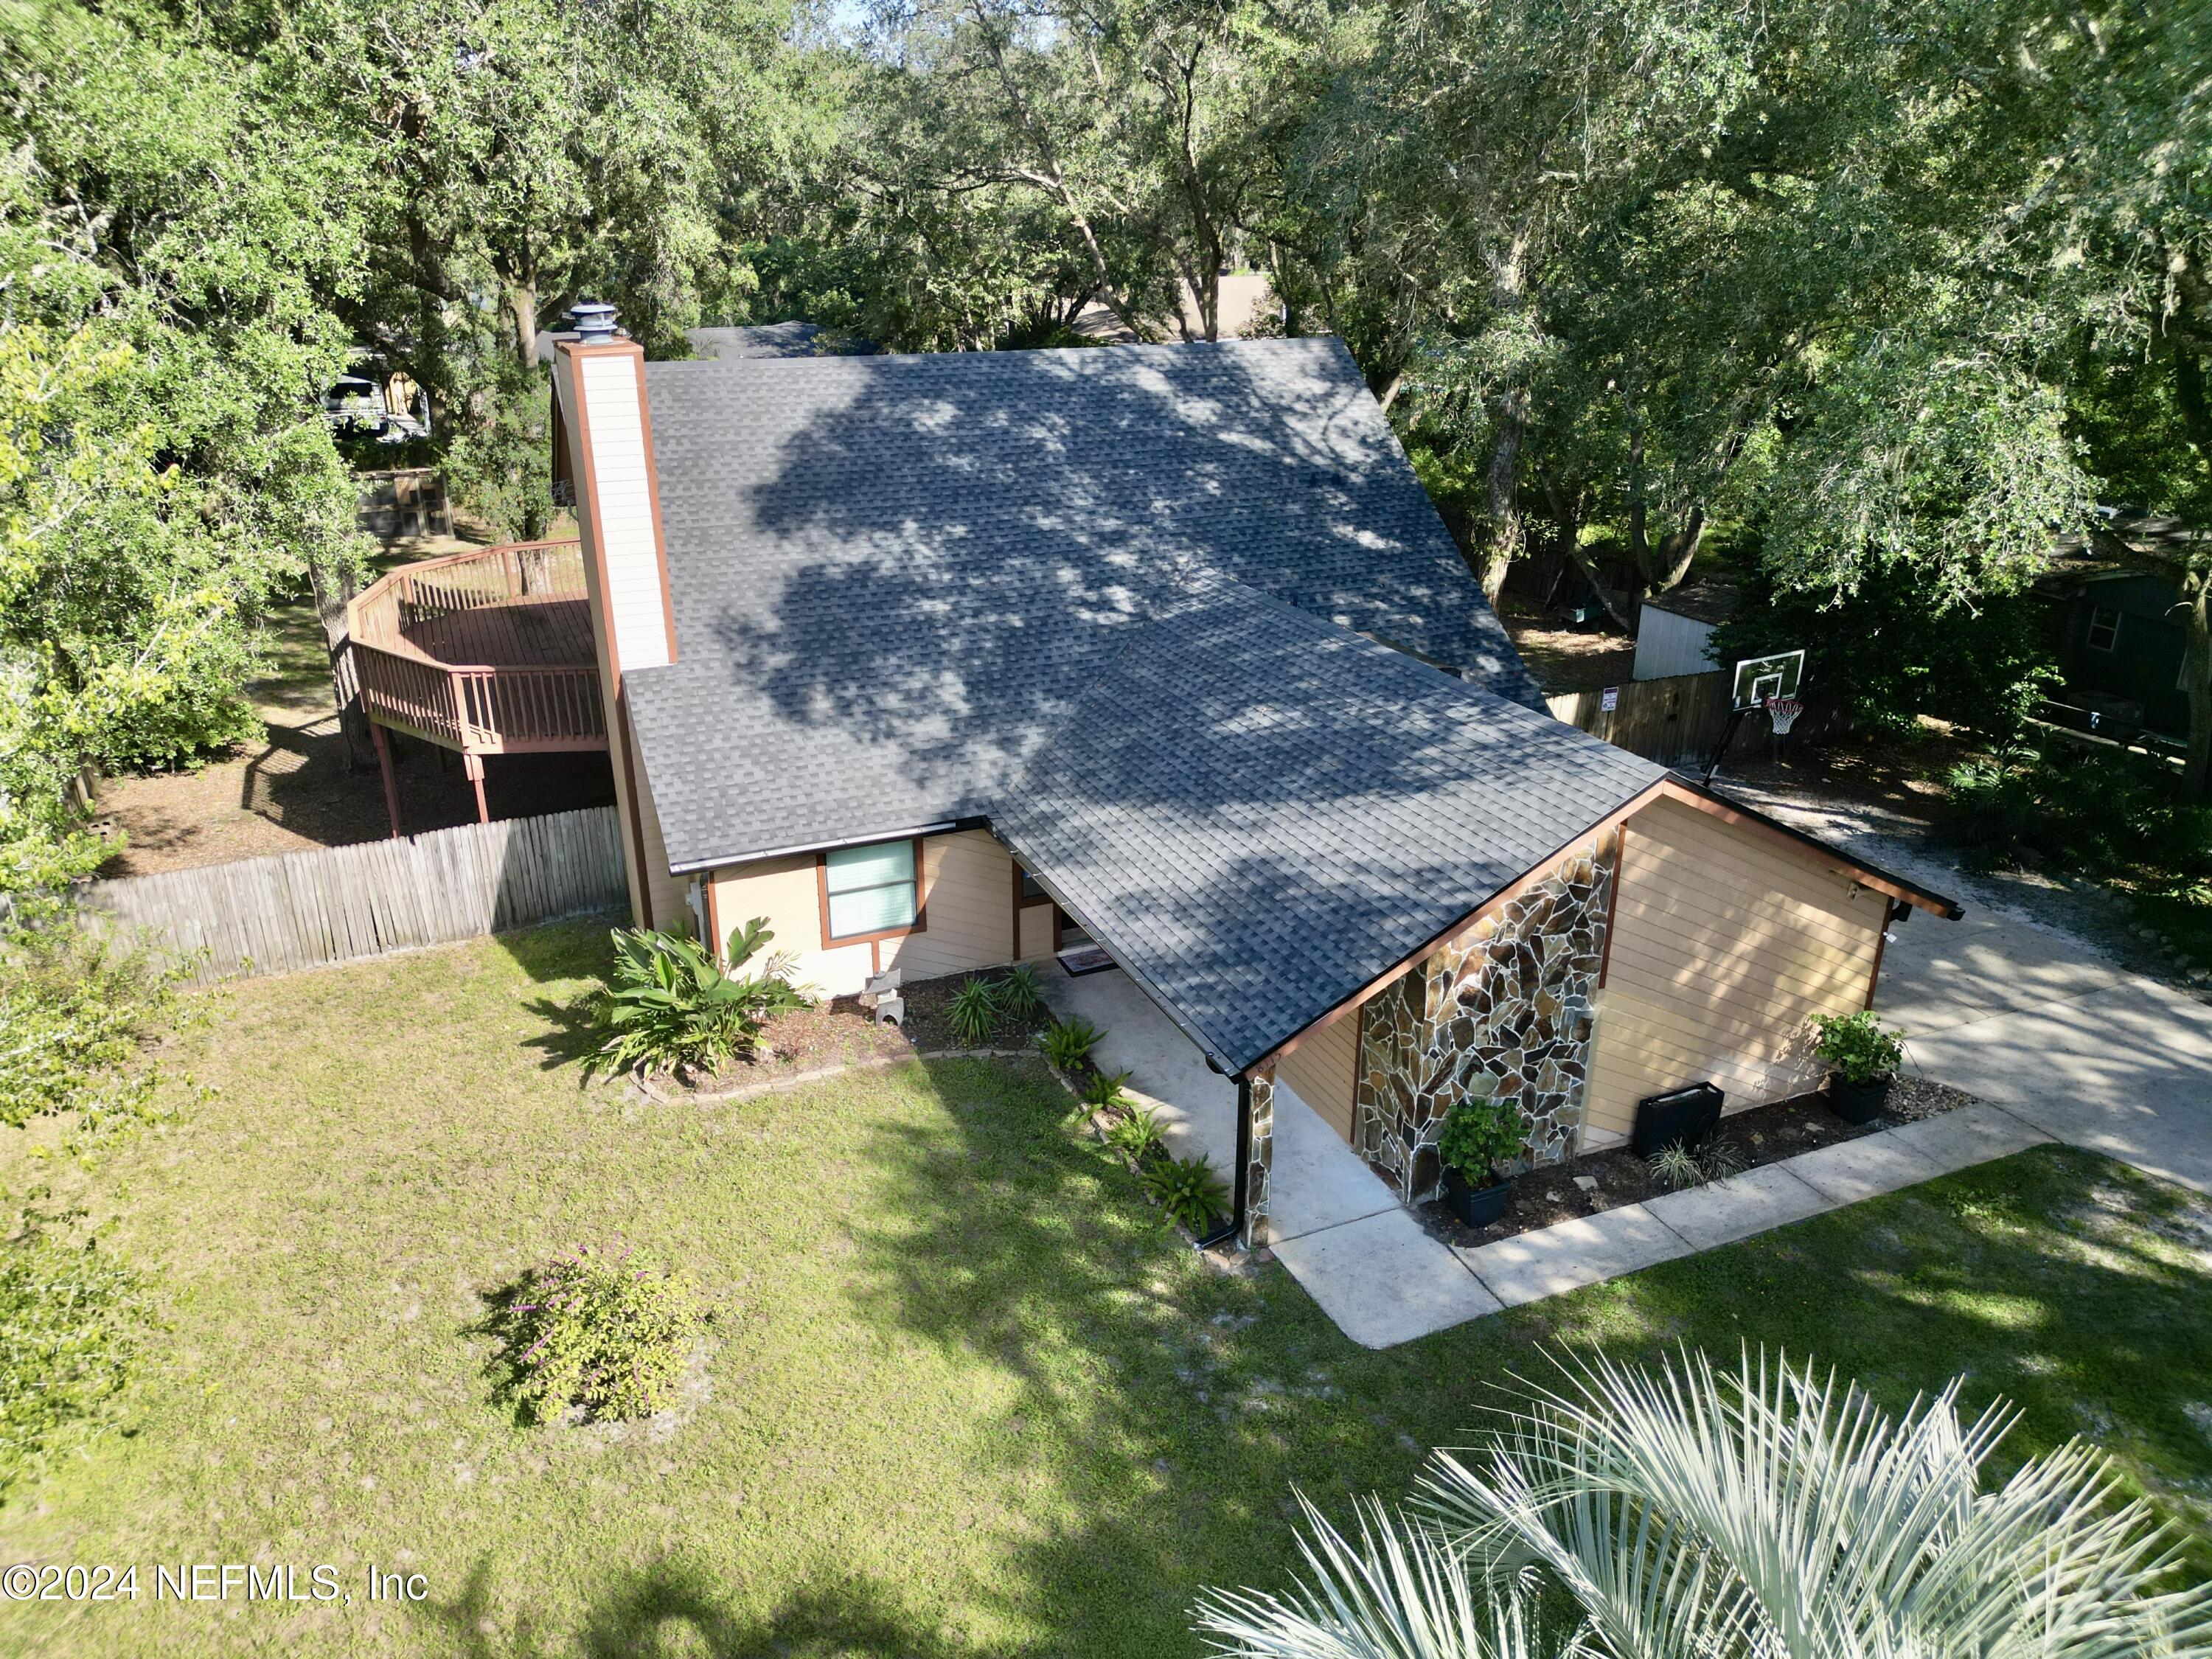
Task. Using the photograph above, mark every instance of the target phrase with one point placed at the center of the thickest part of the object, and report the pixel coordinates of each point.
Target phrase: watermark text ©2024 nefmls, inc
(208, 1581)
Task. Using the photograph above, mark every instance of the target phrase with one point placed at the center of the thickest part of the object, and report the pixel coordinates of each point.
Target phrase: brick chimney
(599, 377)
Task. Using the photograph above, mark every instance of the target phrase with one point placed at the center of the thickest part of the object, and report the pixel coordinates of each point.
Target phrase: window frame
(919, 924)
(2097, 612)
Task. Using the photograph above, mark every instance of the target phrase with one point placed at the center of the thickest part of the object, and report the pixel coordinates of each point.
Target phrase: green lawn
(968, 1395)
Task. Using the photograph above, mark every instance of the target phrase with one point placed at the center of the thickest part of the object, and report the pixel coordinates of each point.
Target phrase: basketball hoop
(1784, 712)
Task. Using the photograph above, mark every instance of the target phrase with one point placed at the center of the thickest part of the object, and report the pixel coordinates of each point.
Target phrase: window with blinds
(871, 890)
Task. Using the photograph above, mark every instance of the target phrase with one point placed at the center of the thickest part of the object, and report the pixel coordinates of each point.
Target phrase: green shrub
(76, 1015)
(1138, 1131)
(1480, 1133)
(1992, 804)
(1020, 994)
(1188, 1190)
(1068, 1043)
(2103, 814)
(973, 1011)
(601, 1335)
(70, 1322)
(671, 1005)
(1859, 1045)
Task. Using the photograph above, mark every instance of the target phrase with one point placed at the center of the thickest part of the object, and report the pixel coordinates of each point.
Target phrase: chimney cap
(593, 320)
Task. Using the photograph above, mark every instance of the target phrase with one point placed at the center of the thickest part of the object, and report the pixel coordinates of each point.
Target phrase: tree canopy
(1884, 296)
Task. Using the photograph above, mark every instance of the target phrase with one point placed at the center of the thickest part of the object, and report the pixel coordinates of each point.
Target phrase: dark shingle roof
(1259, 813)
(891, 573)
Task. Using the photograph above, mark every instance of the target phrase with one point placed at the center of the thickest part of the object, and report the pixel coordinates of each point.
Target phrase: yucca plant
(1020, 993)
(973, 1011)
(1188, 1190)
(1764, 1512)
(1068, 1043)
(671, 1006)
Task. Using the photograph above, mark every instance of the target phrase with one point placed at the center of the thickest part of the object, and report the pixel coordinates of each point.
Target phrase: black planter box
(1476, 1207)
(1684, 1117)
(1858, 1103)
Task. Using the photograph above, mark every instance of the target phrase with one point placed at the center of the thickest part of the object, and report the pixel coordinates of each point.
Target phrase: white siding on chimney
(624, 491)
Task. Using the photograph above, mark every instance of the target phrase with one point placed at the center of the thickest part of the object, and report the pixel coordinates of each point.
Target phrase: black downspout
(1243, 1172)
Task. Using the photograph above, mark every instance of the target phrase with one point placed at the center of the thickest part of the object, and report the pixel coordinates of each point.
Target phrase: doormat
(1081, 959)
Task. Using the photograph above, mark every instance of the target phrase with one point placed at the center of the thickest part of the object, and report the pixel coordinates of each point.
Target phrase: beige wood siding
(1320, 1071)
(968, 898)
(670, 895)
(1725, 944)
(968, 893)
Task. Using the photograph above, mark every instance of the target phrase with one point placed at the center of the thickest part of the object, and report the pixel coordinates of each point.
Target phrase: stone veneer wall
(1258, 1171)
(1505, 1010)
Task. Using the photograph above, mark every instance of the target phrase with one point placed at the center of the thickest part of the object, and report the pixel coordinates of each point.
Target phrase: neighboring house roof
(1257, 812)
(893, 576)
(761, 340)
(2124, 544)
(753, 341)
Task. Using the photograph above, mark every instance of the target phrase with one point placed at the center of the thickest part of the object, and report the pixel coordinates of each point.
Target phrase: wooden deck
(487, 652)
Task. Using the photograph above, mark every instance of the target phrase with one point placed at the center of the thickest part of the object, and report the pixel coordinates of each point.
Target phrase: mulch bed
(839, 1032)
(1762, 1135)
(927, 1028)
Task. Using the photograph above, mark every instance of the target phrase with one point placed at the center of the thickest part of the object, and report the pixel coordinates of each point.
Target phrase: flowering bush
(602, 1334)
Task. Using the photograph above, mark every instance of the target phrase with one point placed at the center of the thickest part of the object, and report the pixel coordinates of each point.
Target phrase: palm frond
(1400, 1592)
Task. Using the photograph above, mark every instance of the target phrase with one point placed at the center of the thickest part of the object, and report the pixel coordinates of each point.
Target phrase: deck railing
(462, 605)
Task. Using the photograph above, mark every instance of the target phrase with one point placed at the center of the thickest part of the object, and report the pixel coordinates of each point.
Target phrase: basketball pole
(1735, 719)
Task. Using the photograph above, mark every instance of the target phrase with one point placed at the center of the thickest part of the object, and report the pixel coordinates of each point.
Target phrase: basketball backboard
(1757, 679)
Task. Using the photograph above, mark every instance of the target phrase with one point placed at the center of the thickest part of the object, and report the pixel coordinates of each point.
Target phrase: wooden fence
(270, 915)
(1677, 721)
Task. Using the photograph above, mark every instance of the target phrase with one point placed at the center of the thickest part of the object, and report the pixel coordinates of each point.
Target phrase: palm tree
(1689, 1513)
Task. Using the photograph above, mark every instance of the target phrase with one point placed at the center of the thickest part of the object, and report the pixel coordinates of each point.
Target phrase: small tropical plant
(1068, 1043)
(601, 1334)
(1103, 1093)
(1764, 1510)
(974, 1011)
(1481, 1132)
(1020, 993)
(1188, 1190)
(1859, 1045)
(672, 1007)
(1138, 1131)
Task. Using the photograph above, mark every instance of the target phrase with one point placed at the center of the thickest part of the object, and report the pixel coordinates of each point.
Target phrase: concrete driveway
(2017, 1009)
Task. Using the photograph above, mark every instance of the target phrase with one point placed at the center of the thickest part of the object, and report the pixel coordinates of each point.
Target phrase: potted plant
(1865, 1055)
(1479, 1133)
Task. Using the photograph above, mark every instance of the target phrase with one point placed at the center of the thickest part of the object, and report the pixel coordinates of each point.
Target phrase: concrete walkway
(1384, 1280)
(2058, 1042)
